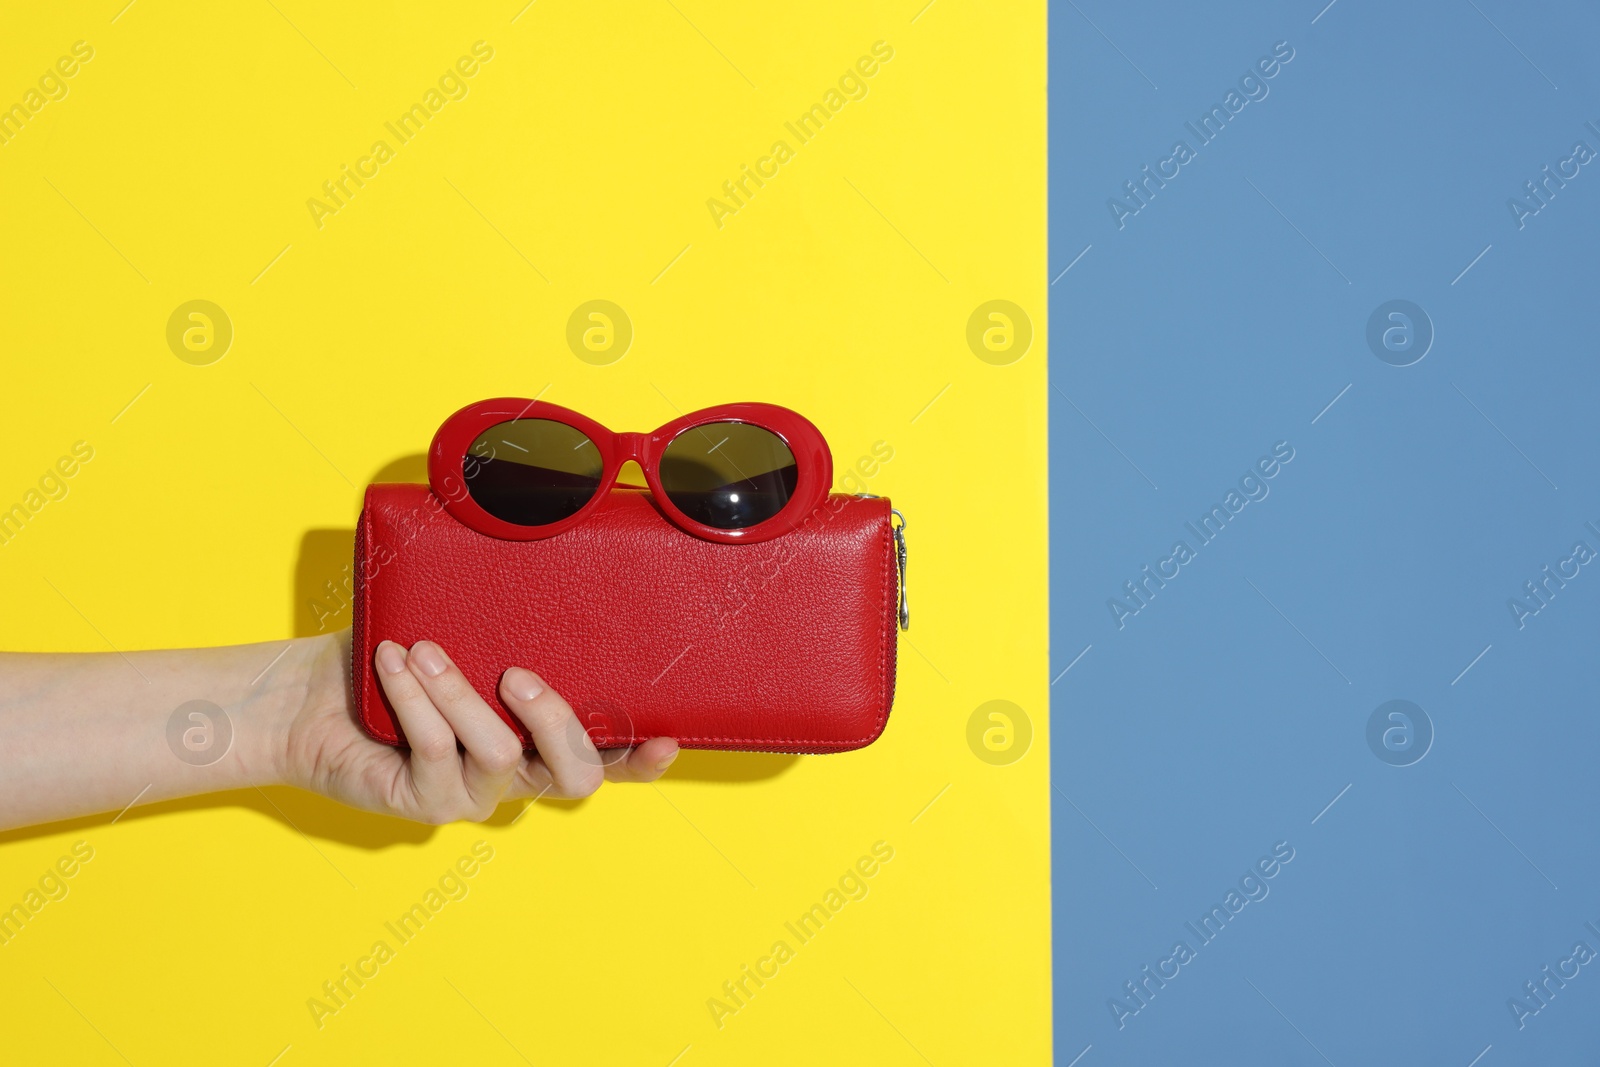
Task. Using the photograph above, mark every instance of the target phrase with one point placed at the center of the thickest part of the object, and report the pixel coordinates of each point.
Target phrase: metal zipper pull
(900, 559)
(899, 556)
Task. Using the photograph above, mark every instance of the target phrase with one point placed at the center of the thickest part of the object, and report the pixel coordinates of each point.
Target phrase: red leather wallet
(783, 646)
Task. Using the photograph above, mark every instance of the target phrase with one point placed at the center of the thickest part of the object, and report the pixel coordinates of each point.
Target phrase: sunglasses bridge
(631, 446)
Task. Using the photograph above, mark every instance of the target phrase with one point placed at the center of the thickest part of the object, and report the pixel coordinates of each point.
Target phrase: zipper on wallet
(904, 613)
(900, 560)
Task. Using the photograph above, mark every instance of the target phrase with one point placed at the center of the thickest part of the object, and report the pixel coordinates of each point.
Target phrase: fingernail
(666, 761)
(391, 657)
(522, 684)
(430, 657)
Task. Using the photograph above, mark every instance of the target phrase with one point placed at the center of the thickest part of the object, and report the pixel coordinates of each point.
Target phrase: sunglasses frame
(448, 457)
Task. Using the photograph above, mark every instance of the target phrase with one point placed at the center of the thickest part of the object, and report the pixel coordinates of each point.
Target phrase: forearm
(86, 733)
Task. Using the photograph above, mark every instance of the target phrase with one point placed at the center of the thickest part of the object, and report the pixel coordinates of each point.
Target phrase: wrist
(310, 674)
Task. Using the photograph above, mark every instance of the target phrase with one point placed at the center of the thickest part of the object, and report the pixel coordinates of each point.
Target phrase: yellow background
(178, 167)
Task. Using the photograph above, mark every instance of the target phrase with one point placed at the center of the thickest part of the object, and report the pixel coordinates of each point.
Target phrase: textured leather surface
(783, 646)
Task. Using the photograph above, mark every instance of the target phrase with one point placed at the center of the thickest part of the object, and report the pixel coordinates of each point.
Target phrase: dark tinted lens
(728, 474)
(532, 472)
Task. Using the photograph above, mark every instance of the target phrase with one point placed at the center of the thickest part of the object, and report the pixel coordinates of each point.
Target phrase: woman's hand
(326, 751)
(100, 732)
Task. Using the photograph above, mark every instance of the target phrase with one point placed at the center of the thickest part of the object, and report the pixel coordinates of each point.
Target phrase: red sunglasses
(521, 470)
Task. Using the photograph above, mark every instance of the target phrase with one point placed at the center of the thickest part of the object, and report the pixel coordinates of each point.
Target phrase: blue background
(1225, 715)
